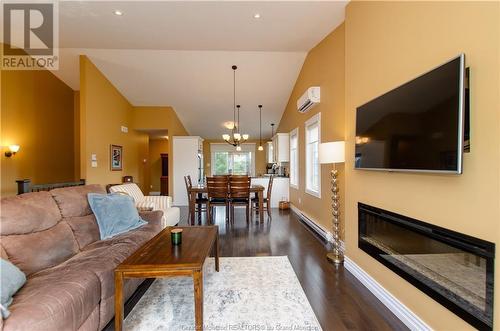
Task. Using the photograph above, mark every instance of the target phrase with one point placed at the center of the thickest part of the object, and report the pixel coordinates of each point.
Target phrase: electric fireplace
(452, 268)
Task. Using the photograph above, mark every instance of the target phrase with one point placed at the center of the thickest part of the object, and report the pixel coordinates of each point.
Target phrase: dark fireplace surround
(452, 268)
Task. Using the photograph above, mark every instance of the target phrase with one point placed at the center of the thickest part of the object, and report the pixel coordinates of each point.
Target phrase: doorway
(158, 164)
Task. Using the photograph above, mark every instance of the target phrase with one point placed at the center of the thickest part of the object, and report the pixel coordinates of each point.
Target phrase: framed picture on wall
(116, 157)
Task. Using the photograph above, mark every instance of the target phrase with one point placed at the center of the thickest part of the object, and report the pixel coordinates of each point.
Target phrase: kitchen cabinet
(269, 152)
(281, 186)
(281, 147)
(187, 159)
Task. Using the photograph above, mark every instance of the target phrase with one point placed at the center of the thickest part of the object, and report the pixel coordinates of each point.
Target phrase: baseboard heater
(311, 224)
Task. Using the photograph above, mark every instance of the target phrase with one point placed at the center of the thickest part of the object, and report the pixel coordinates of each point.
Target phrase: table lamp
(333, 153)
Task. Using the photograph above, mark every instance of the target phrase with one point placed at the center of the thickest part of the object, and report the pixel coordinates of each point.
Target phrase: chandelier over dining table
(235, 138)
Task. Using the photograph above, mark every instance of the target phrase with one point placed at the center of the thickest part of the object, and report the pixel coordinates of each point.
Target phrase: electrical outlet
(94, 164)
(124, 129)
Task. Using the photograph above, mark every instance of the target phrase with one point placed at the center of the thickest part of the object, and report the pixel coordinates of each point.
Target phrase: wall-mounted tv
(418, 126)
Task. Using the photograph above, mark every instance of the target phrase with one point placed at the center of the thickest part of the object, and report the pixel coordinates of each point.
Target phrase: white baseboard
(318, 228)
(412, 321)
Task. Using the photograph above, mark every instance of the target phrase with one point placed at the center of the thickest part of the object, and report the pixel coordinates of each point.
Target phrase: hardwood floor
(338, 299)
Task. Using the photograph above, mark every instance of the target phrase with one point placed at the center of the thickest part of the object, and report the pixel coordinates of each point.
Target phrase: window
(294, 158)
(226, 160)
(313, 170)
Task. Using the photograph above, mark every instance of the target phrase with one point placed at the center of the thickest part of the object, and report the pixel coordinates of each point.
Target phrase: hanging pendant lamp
(261, 148)
(235, 138)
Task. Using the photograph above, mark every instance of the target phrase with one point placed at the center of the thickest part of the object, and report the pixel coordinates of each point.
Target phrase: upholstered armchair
(171, 215)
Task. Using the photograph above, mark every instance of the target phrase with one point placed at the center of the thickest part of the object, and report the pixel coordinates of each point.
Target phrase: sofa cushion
(92, 322)
(107, 306)
(61, 300)
(85, 229)
(103, 256)
(27, 213)
(154, 218)
(3, 255)
(72, 201)
(40, 250)
(135, 238)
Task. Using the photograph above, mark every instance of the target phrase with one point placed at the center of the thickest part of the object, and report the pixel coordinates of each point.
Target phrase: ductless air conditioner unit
(309, 99)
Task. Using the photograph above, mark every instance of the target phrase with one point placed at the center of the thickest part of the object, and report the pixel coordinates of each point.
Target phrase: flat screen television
(418, 126)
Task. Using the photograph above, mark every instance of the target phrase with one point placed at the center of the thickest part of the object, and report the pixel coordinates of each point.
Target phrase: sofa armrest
(154, 217)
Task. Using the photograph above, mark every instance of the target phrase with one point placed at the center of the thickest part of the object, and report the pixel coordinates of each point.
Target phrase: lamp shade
(14, 148)
(332, 152)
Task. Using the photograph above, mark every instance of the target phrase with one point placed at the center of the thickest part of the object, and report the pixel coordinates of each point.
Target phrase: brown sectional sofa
(54, 239)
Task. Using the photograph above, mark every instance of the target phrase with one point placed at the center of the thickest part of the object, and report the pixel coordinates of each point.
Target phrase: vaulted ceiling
(180, 53)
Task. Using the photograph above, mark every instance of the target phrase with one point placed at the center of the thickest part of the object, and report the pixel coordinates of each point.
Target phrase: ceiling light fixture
(260, 129)
(256, 16)
(118, 13)
(236, 138)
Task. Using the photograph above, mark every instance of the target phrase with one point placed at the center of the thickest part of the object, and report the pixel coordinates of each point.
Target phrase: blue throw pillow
(115, 214)
(12, 279)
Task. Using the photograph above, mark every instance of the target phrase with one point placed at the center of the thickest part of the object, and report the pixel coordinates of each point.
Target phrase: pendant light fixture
(235, 138)
(260, 129)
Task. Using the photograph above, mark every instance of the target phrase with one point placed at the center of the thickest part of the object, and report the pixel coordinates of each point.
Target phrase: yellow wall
(156, 147)
(324, 67)
(260, 157)
(388, 43)
(103, 110)
(160, 118)
(37, 113)
(76, 134)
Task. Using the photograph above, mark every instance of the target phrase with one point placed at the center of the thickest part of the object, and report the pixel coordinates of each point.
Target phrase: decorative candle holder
(176, 237)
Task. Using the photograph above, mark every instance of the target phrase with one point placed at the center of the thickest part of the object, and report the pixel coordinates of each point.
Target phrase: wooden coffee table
(159, 258)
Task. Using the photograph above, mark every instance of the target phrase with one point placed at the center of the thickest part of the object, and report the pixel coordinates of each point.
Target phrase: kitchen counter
(267, 176)
(280, 190)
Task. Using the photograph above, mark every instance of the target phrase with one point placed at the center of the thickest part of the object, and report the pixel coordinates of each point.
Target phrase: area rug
(249, 293)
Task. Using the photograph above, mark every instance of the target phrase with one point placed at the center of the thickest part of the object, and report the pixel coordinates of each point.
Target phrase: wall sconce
(13, 149)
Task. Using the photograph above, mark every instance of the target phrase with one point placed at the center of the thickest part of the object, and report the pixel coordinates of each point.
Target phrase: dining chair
(200, 204)
(239, 192)
(267, 200)
(218, 195)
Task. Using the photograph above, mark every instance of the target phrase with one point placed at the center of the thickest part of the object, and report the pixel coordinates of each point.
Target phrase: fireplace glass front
(454, 269)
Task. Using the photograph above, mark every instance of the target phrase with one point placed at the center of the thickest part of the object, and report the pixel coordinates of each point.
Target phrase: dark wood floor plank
(338, 299)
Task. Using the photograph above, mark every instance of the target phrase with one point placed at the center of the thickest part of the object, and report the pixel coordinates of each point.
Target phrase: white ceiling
(179, 53)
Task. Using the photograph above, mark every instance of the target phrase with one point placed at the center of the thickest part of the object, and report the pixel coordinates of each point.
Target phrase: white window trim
(295, 132)
(225, 147)
(312, 120)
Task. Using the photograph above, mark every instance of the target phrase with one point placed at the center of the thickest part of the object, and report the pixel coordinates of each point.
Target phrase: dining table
(202, 189)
